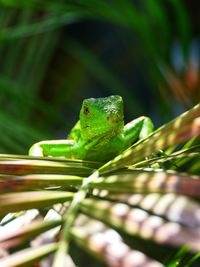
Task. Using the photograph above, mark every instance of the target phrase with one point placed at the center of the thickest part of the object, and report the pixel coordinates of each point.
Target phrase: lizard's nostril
(112, 120)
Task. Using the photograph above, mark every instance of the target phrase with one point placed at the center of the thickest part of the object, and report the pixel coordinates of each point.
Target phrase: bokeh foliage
(55, 53)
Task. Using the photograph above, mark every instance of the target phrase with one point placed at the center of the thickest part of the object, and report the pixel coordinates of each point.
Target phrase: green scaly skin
(99, 135)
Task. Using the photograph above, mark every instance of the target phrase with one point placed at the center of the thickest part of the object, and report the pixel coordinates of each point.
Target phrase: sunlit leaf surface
(139, 208)
(148, 199)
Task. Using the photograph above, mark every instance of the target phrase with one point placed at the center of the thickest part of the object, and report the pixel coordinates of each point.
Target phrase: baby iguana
(99, 135)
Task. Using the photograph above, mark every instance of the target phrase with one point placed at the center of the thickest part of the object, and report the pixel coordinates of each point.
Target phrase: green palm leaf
(140, 202)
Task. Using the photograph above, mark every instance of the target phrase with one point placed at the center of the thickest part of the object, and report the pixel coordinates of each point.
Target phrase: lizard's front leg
(137, 129)
(55, 148)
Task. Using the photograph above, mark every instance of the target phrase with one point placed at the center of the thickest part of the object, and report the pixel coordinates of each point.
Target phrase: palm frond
(139, 202)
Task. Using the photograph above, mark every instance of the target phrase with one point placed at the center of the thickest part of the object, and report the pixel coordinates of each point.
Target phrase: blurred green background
(53, 54)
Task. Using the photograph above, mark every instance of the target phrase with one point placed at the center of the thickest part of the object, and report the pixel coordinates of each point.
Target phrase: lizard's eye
(86, 110)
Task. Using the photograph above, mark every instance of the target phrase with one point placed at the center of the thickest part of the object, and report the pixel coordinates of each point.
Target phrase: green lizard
(99, 135)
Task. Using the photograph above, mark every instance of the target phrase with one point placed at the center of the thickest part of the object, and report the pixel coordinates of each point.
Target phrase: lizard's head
(101, 117)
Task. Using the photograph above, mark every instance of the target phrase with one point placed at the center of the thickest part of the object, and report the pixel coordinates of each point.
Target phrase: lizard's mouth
(102, 130)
